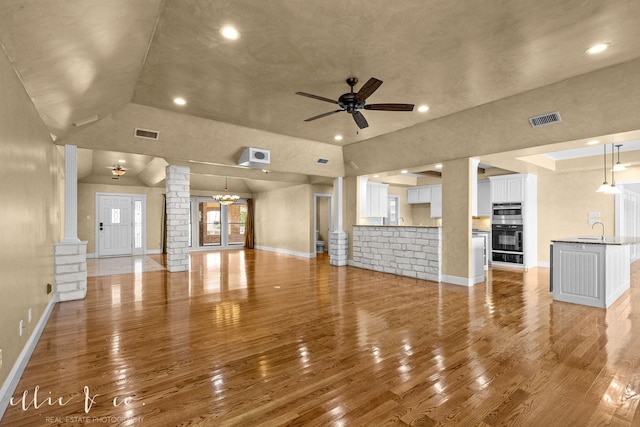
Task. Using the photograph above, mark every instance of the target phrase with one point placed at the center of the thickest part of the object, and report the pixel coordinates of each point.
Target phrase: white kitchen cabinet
(419, 195)
(373, 199)
(484, 198)
(508, 188)
(377, 199)
(436, 201)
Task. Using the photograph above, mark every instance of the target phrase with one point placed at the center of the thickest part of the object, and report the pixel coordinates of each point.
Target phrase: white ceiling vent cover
(255, 158)
(545, 119)
(146, 134)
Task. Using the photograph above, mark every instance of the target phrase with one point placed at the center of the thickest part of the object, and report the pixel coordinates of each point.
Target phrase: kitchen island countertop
(598, 240)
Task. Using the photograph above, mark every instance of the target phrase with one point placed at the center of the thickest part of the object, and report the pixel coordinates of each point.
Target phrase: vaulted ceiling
(119, 64)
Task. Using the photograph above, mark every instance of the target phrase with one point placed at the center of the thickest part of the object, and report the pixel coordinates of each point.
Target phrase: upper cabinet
(419, 195)
(484, 198)
(374, 199)
(508, 188)
(436, 201)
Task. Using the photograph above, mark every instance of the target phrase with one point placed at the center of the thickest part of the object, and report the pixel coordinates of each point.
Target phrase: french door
(121, 224)
(214, 225)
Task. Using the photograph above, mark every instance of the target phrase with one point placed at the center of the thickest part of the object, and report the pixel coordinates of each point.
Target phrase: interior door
(114, 225)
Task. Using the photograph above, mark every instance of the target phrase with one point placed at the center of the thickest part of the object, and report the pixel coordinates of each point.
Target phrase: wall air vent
(545, 119)
(255, 158)
(146, 134)
(322, 161)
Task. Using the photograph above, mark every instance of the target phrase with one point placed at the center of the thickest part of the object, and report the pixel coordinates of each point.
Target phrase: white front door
(114, 225)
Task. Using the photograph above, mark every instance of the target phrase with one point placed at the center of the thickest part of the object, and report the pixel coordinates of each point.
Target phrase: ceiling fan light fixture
(118, 170)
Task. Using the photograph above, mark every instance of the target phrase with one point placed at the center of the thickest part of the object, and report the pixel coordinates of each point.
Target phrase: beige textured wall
(30, 218)
(87, 212)
(284, 219)
(564, 201)
(456, 208)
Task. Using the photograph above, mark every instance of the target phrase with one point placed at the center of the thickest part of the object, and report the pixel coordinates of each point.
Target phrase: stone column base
(70, 275)
(338, 248)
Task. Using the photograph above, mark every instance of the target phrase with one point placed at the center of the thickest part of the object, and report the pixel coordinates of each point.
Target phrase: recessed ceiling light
(597, 48)
(423, 108)
(338, 137)
(122, 161)
(593, 142)
(179, 101)
(229, 33)
(376, 176)
(404, 171)
(438, 166)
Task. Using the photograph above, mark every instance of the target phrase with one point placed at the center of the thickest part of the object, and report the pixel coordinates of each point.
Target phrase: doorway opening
(322, 222)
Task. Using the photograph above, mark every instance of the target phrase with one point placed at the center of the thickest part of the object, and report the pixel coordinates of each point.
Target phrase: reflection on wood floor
(251, 338)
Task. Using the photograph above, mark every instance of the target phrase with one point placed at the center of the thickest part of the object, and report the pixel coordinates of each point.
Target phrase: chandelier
(226, 198)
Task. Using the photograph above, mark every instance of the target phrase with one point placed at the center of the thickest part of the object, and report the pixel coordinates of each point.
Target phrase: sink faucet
(596, 223)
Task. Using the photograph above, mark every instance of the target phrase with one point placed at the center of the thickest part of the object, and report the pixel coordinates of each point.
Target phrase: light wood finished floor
(260, 339)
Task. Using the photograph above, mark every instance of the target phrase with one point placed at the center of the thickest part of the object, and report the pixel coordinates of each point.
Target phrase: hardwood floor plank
(257, 338)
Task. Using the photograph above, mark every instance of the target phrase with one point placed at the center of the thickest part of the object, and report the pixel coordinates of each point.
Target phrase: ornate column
(70, 255)
(338, 239)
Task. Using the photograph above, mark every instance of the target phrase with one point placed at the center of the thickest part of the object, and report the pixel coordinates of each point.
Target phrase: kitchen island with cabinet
(590, 270)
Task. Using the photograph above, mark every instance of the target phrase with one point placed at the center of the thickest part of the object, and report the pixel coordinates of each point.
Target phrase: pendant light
(226, 198)
(605, 185)
(612, 189)
(619, 166)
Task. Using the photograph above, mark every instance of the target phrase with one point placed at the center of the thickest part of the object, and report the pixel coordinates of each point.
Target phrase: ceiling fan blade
(318, 97)
(360, 120)
(322, 115)
(389, 107)
(367, 90)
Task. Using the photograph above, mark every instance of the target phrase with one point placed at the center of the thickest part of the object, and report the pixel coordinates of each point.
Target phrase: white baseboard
(286, 251)
(545, 264)
(462, 281)
(10, 384)
(91, 255)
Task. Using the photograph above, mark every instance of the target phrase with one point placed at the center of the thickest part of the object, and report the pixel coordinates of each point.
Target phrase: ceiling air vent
(146, 134)
(322, 161)
(545, 119)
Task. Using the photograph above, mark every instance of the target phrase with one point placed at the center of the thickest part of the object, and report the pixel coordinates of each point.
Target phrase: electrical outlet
(30, 316)
(21, 327)
(0, 359)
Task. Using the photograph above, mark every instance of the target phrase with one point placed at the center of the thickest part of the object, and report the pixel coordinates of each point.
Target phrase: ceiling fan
(117, 171)
(353, 102)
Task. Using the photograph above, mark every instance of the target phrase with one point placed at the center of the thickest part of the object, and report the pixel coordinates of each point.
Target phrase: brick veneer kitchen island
(406, 251)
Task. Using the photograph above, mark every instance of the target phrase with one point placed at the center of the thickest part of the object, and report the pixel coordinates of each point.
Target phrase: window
(220, 225)
(115, 215)
(137, 224)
